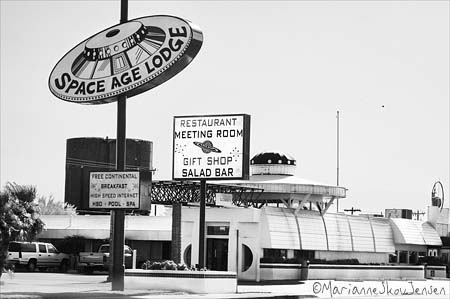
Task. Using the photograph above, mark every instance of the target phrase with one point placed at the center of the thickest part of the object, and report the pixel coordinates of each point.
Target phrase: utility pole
(418, 214)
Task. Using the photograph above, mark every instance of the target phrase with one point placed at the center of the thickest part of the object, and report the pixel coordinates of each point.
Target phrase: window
(51, 249)
(166, 249)
(274, 256)
(14, 247)
(42, 248)
(218, 230)
(304, 255)
(403, 256)
(247, 257)
(187, 255)
(392, 258)
(287, 256)
(28, 247)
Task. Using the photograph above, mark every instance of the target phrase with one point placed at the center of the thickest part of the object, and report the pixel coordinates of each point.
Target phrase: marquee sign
(114, 190)
(126, 59)
(211, 147)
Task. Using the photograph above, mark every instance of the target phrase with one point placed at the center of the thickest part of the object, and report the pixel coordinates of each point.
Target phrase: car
(127, 255)
(100, 261)
(36, 255)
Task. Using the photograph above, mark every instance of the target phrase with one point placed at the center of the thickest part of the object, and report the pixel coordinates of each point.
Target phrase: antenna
(352, 210)
(337, 157)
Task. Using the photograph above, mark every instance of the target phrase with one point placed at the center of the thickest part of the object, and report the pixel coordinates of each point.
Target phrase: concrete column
(176, 232)
(407, 257)
(397, 252)
(258, 266)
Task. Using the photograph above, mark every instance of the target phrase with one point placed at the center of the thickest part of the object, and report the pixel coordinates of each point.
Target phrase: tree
(51, 207)
(19, 217)
(72, 244)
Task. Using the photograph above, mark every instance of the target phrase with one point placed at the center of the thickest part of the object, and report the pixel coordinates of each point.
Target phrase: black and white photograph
(224, 149)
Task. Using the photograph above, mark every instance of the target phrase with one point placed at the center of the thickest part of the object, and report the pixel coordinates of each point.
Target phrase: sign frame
(108, 52)
(245, 164)
(138, 207)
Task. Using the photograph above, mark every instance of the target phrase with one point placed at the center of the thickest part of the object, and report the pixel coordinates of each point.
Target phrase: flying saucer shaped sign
(126, 59)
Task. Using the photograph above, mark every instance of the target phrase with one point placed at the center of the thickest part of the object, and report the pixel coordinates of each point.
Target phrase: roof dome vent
(273, 162)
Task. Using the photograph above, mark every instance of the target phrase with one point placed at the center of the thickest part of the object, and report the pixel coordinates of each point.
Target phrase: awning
(154, 228)
(289, 184)
(309, 230)
(414, 232)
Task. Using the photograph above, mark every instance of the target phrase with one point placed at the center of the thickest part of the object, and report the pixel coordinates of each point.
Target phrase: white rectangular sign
(224, 199)
(114, 190)
(211, 147)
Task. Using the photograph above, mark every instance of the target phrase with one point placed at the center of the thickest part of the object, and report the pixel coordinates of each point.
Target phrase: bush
(72, 244)
(165, 265)
(148, 265)
(168, 265)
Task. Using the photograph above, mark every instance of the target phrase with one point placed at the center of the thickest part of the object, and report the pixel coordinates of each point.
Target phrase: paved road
(56, 285)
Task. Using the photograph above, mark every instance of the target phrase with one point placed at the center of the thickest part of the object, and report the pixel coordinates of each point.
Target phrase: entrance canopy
(167, 192)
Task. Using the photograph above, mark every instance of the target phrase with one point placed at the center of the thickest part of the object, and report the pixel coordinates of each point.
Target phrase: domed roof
(273, 157)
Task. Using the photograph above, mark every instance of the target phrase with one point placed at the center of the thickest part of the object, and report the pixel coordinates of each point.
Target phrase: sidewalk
(70, 286)
(56, 285)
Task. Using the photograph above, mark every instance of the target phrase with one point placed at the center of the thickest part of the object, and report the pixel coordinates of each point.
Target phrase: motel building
(274, 226)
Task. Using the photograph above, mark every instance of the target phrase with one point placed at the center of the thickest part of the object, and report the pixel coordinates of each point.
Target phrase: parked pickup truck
(99, 261)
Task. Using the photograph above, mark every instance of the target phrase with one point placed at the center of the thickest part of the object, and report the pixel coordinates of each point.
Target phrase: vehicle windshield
(104, 248)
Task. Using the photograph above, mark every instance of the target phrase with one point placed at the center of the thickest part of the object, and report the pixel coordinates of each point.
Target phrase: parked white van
(36, 255)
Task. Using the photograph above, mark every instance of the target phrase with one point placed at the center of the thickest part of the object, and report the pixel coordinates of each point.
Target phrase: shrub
(72, 244)
(166, 265)
(182, 266)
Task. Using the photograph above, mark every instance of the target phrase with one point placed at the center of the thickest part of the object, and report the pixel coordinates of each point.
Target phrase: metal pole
(118, 216)
(201, 234)
(337, 158)
(237, 259)
(123, 11)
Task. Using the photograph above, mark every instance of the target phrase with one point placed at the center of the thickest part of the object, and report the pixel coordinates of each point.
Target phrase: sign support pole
(201, 235)
(237, 259)
(118, 216)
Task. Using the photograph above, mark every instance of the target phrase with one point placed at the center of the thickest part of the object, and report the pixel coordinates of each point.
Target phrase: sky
(291, 65)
